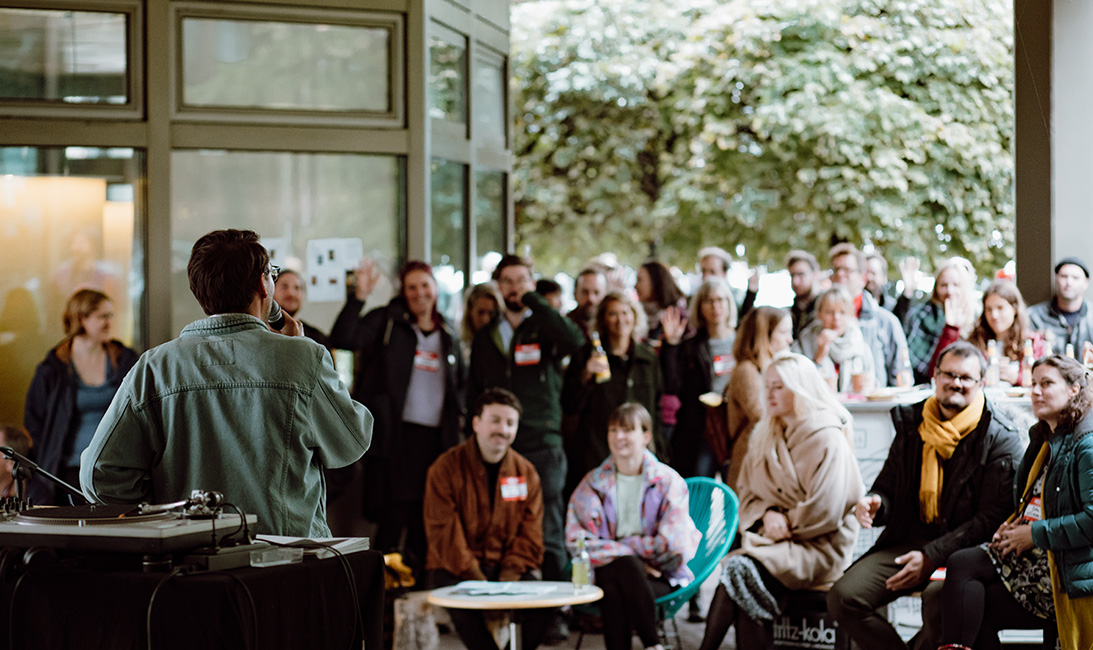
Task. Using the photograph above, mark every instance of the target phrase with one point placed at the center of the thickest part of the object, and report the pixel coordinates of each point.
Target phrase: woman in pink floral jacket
(633, 512)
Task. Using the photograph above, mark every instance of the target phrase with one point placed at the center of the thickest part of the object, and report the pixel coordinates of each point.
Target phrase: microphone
(276, 316)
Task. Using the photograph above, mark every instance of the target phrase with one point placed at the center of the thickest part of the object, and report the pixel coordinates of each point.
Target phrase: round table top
(549, 594)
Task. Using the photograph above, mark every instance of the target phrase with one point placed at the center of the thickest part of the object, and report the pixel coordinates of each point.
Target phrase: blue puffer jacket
(1067, 527)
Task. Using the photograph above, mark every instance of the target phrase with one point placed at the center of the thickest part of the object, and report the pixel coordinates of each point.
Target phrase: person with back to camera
(230, 405)
(764, 332)
(798, 490)
(71, 391)
(1039, 563)
(1005, 321)
(411, 376)
(634, 514)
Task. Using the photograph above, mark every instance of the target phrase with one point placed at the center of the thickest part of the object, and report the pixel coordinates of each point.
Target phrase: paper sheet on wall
(328, 260)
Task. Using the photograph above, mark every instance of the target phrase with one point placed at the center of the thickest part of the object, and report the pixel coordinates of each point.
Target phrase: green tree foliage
(775, 124)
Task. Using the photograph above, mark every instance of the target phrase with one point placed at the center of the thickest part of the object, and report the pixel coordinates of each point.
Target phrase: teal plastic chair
(714, 509)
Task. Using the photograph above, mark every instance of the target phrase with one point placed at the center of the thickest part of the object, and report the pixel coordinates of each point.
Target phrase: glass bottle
(1026, 365)
(598, 352)
(905, 378)
(582, 565)
(993, 370)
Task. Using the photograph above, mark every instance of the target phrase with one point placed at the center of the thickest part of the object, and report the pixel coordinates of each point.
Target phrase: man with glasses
(230, 405)
(946, 485)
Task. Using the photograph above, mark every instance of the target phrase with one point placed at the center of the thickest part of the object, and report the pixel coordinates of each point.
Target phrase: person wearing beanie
(1066, 318)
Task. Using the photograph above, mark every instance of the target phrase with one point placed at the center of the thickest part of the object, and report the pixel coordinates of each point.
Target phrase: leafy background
(655, 128)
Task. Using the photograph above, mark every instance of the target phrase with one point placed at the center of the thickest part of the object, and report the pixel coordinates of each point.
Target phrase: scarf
(939, 439)
(843, 351)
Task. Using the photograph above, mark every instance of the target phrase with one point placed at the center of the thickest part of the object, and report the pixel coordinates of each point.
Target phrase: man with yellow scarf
(946, 485)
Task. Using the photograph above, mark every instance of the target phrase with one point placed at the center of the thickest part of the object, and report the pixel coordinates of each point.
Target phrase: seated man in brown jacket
(484, 516)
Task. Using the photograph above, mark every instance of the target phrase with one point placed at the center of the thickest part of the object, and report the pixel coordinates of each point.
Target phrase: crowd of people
(494, 445)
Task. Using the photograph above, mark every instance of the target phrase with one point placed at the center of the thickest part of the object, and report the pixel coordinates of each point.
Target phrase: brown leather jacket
(464, 533)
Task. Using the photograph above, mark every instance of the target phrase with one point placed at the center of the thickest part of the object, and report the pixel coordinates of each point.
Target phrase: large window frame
(133, 108)
(393, 118)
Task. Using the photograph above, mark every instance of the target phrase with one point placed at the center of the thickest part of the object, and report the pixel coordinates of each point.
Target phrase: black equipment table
(305, 605)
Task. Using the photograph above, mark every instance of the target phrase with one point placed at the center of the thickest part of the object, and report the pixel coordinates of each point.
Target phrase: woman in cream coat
(799, 484)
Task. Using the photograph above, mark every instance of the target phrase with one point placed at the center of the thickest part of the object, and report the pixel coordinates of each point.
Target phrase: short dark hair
(17, 438)
(546, 286)
(1073, 373)
(496, 396)
(511, 260)
(665, 291)
(224, 268)
(963, 350)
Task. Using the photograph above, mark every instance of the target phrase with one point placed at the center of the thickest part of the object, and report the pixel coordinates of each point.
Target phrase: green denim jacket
(232, 407)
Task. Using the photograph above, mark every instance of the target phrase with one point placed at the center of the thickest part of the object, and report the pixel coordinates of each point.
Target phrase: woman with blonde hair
(835, 343)
(798, 489)
(763, 333)
(72, 389)
(943, 319)
(482, 307)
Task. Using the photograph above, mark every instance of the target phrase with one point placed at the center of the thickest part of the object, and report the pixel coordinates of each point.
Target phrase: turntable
(118, 528)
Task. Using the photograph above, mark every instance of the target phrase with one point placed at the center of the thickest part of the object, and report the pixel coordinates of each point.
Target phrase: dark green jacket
(1067, 526)
(537, 385)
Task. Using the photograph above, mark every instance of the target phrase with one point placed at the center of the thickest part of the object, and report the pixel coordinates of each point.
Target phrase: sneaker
(558, 632)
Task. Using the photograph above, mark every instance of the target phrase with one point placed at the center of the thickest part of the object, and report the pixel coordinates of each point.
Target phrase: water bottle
(582, 565)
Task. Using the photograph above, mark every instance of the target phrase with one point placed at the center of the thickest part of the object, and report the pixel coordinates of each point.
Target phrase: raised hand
(367, 278)
(674, 323)
(908, 271)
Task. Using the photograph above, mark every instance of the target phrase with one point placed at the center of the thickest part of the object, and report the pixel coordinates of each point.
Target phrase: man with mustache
(522, 352)
(946, 485)
(484, 516)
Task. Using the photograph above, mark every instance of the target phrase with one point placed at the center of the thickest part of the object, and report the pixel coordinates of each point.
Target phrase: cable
(358, 620)
(242, 525)
(11, 611)
(253, 608)
(151, 601)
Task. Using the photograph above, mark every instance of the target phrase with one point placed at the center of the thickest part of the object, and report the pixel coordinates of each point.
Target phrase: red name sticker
(528, 354)
(723, 363)
(427, 361)
(514, 488)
